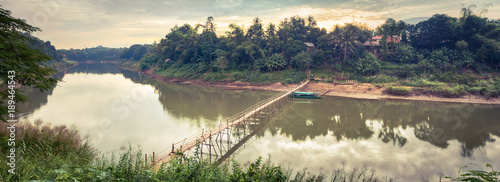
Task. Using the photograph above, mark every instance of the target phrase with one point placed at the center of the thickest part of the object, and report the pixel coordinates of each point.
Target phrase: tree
(302, 61)
(350, 37)
(128, 53)
(236, 33)
(221, 60)
(438, 29)
(390, 29)
(256, 32)
(20, 61)
(209, 25)
(311, 22)
(139, 52)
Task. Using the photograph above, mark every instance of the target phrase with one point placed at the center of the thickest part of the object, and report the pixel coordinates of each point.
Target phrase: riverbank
(356, 90)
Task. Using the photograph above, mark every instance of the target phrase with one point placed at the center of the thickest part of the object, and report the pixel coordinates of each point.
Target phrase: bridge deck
(190, 142)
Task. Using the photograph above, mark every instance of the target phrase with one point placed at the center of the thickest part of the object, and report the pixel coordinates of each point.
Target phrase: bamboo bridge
(210, 138)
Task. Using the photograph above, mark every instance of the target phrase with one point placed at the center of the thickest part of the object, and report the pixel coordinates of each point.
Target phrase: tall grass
(41, 148)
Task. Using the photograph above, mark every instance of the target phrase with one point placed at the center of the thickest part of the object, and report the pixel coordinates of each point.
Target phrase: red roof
(377, 38)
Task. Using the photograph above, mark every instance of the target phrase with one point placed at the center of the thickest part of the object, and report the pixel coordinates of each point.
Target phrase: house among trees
(375, 41)
(309, 45)
(374, 44)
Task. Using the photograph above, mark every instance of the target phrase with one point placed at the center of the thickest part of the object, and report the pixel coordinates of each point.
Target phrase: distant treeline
(98, 53)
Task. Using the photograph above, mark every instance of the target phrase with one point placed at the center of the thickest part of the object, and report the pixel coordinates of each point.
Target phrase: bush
(381, 79)
(272, 63)
(452, 92)
(238, 76)
(367, 65)
(401, 91)
(301, 61)
(293, 76)
(406, 71)
(214, 77)
(423, 83)
(143, 66)
(405, 53)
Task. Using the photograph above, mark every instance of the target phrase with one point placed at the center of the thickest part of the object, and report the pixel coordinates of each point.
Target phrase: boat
(305, 95)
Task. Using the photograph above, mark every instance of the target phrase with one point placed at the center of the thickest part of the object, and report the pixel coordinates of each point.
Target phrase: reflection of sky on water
(397, 138)
(123, 107)
(103, 106)
(323, 154)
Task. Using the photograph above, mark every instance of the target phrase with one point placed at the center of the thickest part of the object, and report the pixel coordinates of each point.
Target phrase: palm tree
(271, 30)
(346, 37)
(209, 25)
(311, 22)
(236, 33)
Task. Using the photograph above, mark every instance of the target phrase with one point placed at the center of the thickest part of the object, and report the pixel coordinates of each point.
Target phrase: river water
(404, 140)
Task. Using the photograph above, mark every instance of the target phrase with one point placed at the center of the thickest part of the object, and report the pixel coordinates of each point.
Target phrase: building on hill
(374, 43)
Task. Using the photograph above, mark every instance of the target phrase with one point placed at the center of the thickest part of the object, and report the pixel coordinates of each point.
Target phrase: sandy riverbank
(359, 91)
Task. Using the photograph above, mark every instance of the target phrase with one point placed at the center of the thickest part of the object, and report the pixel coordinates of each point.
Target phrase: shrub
(452, 92)
(272, 63)
(381, 79)
(405, 53)
(214, 77)
(143, 66)
(238, 76)
(293, 76)
(423, 83)
(301, 61)
(367, 65)
(396, 90)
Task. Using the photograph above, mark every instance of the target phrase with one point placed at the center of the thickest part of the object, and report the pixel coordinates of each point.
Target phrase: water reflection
(437, 123)
(124, 107)
(392, 136)
(398, 138)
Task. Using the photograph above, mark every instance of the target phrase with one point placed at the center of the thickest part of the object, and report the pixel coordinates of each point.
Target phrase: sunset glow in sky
(119, 23)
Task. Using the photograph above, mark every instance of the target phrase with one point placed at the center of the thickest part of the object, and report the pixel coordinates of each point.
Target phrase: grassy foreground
(58, 153)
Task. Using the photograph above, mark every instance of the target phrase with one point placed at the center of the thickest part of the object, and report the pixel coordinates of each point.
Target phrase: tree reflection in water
(472, 125)
(349, 119)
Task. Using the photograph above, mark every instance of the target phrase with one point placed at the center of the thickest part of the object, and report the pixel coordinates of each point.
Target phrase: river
(405, 140)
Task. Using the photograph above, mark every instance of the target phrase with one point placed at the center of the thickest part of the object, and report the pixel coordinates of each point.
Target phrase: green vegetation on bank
(59, 153)
(462, 53)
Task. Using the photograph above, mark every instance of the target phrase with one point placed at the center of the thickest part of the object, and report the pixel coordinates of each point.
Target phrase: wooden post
(210, 145)
(146, 159)
(228, 133)
(154, 158)
(172, 148)
(201, 143)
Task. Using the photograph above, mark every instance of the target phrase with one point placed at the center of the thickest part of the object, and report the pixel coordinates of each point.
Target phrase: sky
(122, 23)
